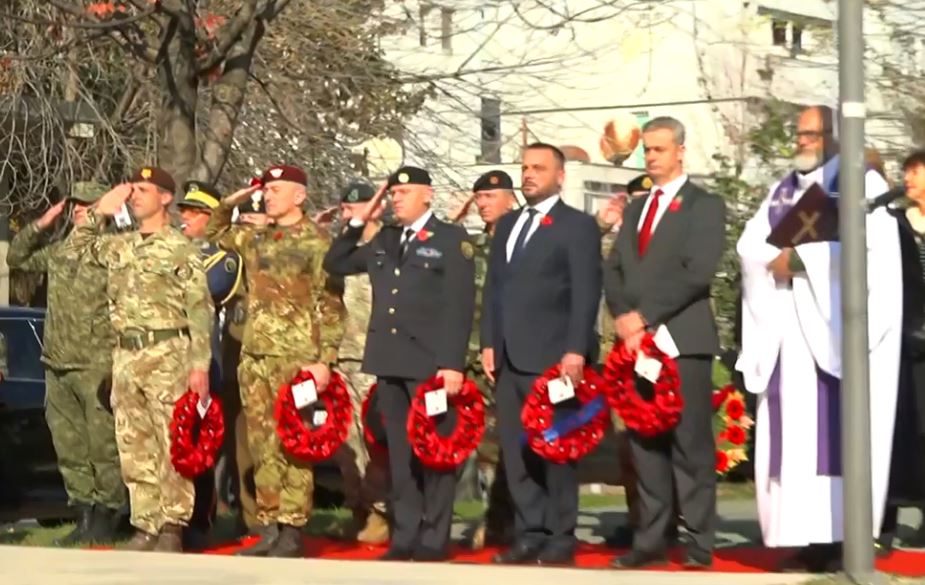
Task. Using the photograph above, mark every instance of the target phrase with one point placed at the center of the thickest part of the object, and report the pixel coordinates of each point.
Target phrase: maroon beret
(284, 173)
(155, 176)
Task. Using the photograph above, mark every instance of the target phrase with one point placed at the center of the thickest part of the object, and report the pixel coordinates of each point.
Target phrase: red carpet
(592, 556)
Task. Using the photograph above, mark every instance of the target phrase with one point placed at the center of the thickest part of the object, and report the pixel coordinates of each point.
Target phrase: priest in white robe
(791, 357)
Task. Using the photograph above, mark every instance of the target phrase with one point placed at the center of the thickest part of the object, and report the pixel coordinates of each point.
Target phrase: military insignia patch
(647, 183)
(403, 178)
(184, 272)
(193, 187)
(146, 173)
(493, 179)
(231, 265)
(429, 252)
(467, 250)
(353, 196)
(276, 173)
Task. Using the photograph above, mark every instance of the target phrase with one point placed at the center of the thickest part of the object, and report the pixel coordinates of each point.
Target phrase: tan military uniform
(161, 312)
(294, 318)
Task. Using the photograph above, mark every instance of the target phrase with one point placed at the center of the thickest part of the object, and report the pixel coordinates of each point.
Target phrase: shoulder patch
(467, 250)
(231, 265)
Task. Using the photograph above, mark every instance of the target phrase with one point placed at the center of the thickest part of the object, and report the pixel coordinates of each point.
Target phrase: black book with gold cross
(814, 218)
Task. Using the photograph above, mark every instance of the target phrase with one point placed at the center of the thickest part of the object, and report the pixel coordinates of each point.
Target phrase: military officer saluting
(223, 274)
(422, 276)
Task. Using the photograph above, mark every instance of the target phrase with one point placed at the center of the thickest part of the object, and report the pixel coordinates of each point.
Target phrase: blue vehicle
(30, 484)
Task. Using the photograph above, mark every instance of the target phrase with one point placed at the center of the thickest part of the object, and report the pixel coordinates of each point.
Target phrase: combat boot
(268, 535)
(81, 532)
(170, 539)
(142, 541)
(105, 522)
(289, 544)
(376, 530)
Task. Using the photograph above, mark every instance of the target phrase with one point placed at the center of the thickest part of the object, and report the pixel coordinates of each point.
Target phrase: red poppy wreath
(648, 418)
(314, 442)
(574, 436)
(190, 452)
(446, 452)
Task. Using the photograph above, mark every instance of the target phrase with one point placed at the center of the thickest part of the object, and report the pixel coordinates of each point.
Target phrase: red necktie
(645, 234)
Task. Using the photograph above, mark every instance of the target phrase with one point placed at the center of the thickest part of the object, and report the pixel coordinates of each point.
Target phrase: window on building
(779, 32)
(490, 121)
(446, 29)
(796, 39)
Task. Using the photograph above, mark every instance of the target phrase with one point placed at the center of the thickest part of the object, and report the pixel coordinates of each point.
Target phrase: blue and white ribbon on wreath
(574, 421)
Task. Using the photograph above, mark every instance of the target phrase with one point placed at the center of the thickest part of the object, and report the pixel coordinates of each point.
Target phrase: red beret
(155, 176)
(284, 173)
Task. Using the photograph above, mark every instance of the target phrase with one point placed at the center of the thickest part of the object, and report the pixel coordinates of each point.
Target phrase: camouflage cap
(87, 191)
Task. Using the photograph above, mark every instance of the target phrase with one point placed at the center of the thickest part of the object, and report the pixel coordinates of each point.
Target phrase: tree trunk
(177, 75)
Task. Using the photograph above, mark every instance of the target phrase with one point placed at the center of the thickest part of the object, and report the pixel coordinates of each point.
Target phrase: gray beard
(806, 163)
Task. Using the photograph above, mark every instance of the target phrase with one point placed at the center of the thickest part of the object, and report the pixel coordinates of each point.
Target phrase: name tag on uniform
(429, 252)
(560, 390)
(648, 368)
(203, 407)
(320, 417)
(304, 393)
(435, 402)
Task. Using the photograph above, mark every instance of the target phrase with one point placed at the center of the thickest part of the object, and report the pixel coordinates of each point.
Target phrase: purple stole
(828, 387)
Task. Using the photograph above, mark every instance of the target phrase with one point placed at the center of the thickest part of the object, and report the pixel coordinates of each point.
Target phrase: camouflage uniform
(365, 474)
(77, 353)
(162, 315)
(294, 318)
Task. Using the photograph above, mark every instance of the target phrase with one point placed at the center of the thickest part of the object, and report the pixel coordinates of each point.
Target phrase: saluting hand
(452, 381)
(369, 212)
(51, 215)
(110, 203)
(463, 210)
(612, 212)
(242, 195)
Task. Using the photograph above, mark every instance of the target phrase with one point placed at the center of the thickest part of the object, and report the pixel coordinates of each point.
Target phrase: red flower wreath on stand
(574, 437)
(368, 434)
(731, 428)
(648, 418)
(190, 452)
(308, 442)
(433, 449)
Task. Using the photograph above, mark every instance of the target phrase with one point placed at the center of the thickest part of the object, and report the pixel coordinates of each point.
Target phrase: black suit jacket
(913, 285)
(670, 285)
(422, 304)
(545, 303)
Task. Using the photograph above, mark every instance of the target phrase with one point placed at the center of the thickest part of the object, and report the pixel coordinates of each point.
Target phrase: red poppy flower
(736, 435)
(722, 462)
(674, 205)
(720, 396)
(735, 409)
(278, 236)
(423, 235)
(547, 220)
(256, 182)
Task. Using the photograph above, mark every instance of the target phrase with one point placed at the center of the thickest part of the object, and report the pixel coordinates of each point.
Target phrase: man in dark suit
(540, 304)
(423, 281)
(659, 274)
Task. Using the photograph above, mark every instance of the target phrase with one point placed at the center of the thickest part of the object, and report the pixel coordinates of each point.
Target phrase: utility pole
(856, 467)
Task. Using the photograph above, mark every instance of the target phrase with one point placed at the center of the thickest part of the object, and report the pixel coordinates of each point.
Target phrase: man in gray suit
(659, 274)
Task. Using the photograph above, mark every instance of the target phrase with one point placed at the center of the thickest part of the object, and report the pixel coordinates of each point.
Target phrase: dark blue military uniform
(423, 301)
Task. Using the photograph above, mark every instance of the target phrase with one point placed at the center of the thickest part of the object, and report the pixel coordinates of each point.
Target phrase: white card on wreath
(560, 389)
(647, 367)
(435, 402)
(203, 407)
(320, 417)
(304, 393)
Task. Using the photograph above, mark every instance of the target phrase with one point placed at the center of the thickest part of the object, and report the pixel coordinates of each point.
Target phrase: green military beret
(357, 192)
(493, 180)
(409, 176)
(642, 183)
(87, 192)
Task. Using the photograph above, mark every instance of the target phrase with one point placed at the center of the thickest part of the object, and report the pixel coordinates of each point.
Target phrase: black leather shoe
(430, 555)
(637, 560)
(397, 554)
(622, 537)
(557, 556)
(696, 559)
(268, 536)
(522, 552)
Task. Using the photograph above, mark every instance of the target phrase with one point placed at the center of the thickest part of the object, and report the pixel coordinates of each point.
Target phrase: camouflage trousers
(283, 485)
(365, 473)
(83, 432)
(499, 514)
(146, 385)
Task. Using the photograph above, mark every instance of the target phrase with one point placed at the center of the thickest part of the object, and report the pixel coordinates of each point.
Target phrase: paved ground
(42, 566)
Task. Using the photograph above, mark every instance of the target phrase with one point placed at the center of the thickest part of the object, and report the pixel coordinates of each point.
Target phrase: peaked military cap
(155, 176)
(200, 195)
(284, 173)
(409, 176)
(640, 183)
(87, 191)
(357, 192)
(493, 180)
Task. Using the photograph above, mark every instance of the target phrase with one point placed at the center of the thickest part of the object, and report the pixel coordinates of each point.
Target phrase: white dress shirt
(543, 208)
(416, 227)
(669, 192)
